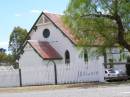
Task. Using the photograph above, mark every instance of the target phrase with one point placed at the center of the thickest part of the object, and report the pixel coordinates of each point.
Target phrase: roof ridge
(52, 13)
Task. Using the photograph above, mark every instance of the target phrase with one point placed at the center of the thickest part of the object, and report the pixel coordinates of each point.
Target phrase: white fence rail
(38, 76)
(91, 72)
(71, 73)
(9, 78)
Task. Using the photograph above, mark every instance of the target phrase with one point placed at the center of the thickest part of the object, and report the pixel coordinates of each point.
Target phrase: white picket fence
(9, 78)
(38, 76)
(71, 73)
(91, 72)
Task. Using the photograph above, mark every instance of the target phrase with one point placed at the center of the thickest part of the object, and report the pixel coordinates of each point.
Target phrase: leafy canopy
(100, 22)
(8, 59)
(17, 38)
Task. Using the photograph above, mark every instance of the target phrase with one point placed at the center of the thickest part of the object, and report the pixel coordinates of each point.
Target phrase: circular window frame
(46, 33)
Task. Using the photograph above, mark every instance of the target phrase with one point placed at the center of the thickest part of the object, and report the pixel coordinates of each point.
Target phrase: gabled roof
(56, 19)
(45, 50)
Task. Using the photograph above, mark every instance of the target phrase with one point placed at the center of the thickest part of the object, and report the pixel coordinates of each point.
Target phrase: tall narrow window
(85, 55)
(67, 57)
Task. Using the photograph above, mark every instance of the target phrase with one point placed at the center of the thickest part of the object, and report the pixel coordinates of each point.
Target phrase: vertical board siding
(9, 78)
(71, 73)
(79, 73)
(38, 76)
(93, 71)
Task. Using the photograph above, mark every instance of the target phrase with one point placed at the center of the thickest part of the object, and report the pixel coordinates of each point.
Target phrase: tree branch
(108, 6)
(100, 15)
(120, 37)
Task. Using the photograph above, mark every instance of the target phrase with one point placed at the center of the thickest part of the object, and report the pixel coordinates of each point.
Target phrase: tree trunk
(120, 38)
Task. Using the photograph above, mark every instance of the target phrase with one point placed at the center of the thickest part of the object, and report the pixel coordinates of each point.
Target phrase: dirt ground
(45, 87)
(55, 87)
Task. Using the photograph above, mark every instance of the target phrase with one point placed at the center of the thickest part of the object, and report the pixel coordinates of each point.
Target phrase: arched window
(67, 57)
(85, 55)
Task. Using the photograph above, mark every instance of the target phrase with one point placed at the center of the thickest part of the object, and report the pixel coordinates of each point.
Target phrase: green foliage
(94, 21)
(3, 57)
(111, 63)
(8, 59)
(17, 38)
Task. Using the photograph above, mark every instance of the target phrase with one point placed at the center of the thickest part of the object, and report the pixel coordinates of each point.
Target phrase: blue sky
(23, 13)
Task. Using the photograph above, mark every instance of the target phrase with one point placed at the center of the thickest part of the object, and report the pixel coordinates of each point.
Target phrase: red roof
(45, 50)
(57, 20)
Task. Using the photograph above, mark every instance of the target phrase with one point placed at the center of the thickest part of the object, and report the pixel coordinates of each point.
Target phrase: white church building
(50, 55)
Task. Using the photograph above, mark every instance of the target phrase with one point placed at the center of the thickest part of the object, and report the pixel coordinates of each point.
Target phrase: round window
(46, 33)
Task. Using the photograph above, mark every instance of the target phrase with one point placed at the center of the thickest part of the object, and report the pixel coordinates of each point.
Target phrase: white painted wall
(38, 76)
(45, 75)
(60, 42)
(35, 70)
(65, 73)
(81, 73)
(30, 59)
(9, 78)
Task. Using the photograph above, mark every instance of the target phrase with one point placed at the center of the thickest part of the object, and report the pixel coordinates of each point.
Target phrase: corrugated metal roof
(45, 50)
(57, 20)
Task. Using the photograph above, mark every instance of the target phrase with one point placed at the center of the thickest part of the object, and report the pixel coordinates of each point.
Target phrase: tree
(17, 38)
(100, 22)
(2, 50)
(11, 60)
(7, 59)
(3, 57)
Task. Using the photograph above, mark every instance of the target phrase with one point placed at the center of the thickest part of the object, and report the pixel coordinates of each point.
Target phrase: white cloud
(45, 10)
(35, 11)
(4, 45)
(18, 15)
